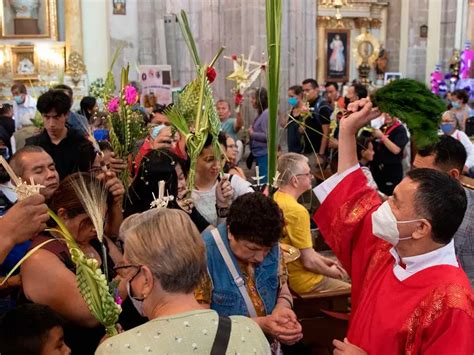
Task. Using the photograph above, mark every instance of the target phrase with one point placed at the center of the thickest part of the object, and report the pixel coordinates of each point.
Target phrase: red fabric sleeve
(344, 220)
(452, 333)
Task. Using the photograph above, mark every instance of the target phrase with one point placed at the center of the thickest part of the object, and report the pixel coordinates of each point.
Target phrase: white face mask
(384, 224)
(137, 302)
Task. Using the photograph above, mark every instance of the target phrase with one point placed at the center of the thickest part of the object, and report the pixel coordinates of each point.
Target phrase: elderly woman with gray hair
(164, 261)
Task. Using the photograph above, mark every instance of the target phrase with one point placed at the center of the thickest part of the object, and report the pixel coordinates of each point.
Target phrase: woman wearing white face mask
(165, 260)
(449, 126)
(460, 109)
(407, 286)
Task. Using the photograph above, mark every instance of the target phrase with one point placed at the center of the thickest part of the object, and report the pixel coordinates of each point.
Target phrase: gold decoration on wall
(366, 49)
(75, 67)
(28, 19)
(331, 22)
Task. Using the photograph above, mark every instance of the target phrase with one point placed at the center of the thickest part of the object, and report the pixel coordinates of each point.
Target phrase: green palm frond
(413, 103)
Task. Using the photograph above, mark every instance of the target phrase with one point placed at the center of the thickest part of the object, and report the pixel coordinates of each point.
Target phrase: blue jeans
(262, 163)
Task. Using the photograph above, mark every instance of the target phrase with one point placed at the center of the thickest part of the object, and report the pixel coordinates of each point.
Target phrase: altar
(41, 45)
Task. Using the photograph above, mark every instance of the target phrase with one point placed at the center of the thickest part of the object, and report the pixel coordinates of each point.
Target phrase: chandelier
(336, 4)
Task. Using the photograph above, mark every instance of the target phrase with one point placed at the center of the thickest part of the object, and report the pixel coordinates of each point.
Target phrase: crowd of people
(208, 273)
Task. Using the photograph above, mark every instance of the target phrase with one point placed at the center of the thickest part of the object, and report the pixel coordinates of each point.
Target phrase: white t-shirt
(205, 201)
(466, 142)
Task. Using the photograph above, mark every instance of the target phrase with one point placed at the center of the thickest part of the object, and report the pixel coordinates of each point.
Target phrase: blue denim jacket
(226, 299)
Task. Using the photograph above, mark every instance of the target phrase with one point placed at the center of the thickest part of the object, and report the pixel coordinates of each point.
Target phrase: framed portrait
(337, 55)
(391, 77)
(24, 63)
(119, 7)
(28, 19)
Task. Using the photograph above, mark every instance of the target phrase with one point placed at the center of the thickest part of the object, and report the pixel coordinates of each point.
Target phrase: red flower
(234, 56)
(238, 99)
(211, 74)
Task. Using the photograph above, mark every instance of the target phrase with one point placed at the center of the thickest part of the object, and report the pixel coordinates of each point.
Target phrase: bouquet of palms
(91, 282)
(126, 124)
(194, 114)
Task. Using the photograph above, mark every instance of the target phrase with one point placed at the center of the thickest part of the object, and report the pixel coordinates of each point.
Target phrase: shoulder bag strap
(235, 274)
(221, 341)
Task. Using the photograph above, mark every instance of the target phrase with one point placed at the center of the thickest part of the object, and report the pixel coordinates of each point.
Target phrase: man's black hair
(360, 91)
(297, 89)
(67, 89)
(55, 100)
(448, 153)
(314, 84)
(20, 87)
(5, 108)
(441, 200)
(24, 329)
(333, 84)
(256, 218)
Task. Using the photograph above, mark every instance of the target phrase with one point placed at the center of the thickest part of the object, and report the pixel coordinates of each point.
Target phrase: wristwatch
(222, 212)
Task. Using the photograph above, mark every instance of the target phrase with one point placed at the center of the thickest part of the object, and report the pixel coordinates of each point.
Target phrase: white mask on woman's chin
(384, 224)
(137, 302)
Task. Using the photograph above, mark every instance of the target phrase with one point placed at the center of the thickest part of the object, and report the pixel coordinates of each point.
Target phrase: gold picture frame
(24, 63)
(39, 23)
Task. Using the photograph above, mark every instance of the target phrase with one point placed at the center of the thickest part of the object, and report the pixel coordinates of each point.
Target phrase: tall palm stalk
(273, 19)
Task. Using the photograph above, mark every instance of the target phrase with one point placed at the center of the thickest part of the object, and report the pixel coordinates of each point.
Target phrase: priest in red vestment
(409, 294)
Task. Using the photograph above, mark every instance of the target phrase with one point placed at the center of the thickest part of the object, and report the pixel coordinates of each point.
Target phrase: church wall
(417, 45)
(150, 35)
(393, 35)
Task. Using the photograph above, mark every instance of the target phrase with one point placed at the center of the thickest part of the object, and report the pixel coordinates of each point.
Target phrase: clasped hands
(283, 325)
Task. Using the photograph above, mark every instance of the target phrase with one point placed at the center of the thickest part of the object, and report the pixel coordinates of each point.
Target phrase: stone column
(383, 25)
(96, 38)
(321, 50)
(404, 36)
(434, 36)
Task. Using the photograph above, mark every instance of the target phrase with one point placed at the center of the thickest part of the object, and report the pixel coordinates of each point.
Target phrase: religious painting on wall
(119, 7)
(24, 63)
(337, 55)
(28, 19)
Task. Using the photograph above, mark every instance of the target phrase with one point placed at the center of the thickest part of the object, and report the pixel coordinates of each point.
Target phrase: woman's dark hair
(105, 145)
(159, 108)
(261, 98)
(297, 89)
(441, 200)
(156, 166)
(221, 138)
(362, 144)
(66, 197)
(87, 104)
(256, 218)
(25, 329)
(461, 95)
(56, 100)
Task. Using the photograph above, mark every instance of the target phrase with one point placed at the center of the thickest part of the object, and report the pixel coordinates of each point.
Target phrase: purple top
(258, 141)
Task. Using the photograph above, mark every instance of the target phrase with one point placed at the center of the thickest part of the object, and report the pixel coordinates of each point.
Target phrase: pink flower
(131, 95)
(113, 105)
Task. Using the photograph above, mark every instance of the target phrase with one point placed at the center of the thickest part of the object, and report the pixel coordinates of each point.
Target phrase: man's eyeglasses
(307, 175)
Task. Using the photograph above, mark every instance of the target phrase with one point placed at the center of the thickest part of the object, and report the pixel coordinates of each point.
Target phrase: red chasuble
(430, 312)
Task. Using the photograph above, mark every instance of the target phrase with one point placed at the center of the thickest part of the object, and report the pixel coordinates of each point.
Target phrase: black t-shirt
(399, 137)
(74, 153)
(320, 115)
